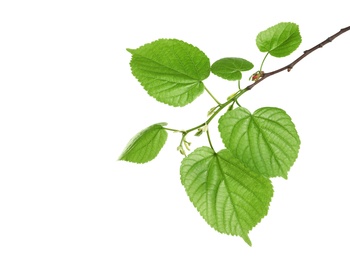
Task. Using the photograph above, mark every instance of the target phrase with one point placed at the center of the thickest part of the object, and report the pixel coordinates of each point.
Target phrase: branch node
(329, 39)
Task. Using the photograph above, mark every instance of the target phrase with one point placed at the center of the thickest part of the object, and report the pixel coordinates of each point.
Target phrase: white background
(69, 105)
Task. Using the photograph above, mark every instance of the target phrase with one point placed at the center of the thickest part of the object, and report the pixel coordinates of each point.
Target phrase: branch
(290, 66)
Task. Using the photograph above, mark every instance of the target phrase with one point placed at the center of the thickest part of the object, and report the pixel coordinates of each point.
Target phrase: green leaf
(230, 68)
(229, 196)
(279, 40)
(265, 141)
(146, 145)
(170, 70)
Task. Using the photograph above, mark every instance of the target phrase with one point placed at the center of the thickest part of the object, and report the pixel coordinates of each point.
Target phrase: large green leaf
(146, 145)
(228, 195)
(266, 141)
(279, 40)
(230, 68)
(170, 70)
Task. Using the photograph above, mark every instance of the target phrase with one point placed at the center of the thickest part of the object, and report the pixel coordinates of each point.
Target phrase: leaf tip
(121, 158)
(130, 50)
(247, 239)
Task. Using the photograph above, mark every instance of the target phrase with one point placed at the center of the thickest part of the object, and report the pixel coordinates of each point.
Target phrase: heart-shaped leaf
(265, 141)
(228, 195)
(170, 70)
(279, 40)
(230, 68)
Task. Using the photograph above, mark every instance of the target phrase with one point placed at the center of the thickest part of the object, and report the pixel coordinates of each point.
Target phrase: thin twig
(290, 66)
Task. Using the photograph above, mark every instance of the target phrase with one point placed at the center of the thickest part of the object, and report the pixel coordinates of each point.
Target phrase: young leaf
(170, 70)
(228, 195)
(146, 145)
(279, 40)
(265, 141)
(230, 68)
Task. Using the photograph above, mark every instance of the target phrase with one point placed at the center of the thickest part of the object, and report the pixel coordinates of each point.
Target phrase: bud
(187, 145)
(211, 111)
(181, 150)
(256, 76)
(199, 132)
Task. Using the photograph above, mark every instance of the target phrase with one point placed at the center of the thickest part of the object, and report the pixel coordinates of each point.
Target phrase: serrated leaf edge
(246, 236)
(298, 30)
(196, 81)
(237, 71)
(127, 147)
(253, 114)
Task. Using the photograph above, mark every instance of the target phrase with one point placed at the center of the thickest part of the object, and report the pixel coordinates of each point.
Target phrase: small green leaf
(265, 141)
(146, 145)
(229, 196)
(230, 68)
(170, 70)
(279, 40)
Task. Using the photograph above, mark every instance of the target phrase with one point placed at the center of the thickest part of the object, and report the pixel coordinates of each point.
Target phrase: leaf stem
(171, 129)
(262, 63)
(212, 96)
(209, 140)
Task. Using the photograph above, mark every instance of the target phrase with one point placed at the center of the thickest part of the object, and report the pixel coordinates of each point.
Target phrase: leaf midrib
(229, 193)
(170, 68)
